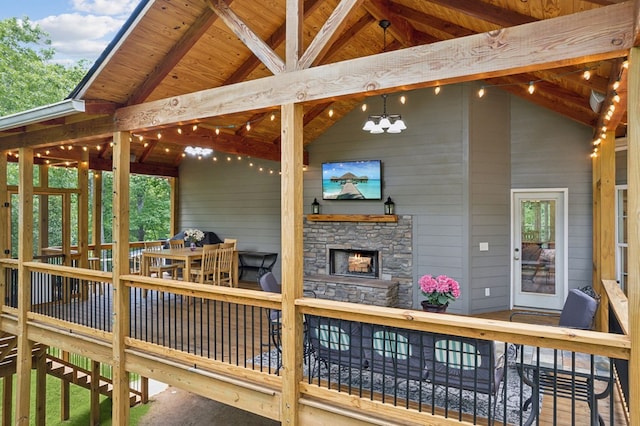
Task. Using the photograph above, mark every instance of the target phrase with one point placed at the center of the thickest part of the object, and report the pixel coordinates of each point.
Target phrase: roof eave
(43, 113)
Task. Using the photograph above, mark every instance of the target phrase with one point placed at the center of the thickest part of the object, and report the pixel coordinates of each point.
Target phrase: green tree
(28, 77)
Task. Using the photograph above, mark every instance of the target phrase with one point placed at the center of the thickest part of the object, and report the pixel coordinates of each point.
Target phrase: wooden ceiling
(175, 47)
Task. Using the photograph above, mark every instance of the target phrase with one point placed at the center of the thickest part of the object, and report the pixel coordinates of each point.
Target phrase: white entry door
(539, 239)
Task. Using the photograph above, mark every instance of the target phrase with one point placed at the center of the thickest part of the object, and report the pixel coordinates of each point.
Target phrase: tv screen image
(352, 180)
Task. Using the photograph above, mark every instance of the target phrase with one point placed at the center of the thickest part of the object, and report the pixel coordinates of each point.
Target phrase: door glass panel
(538, 237)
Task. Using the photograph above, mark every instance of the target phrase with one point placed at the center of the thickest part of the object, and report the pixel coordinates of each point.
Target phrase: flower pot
(428, 307)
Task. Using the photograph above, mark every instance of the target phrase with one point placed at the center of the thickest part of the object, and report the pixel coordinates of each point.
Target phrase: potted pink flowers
(439, 291)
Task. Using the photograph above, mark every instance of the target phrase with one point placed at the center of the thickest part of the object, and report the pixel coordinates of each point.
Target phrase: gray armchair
(578, 311)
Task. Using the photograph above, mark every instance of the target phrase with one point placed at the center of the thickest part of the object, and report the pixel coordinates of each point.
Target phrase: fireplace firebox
(354, 263)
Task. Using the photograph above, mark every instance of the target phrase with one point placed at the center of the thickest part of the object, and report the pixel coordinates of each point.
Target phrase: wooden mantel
(352, 217)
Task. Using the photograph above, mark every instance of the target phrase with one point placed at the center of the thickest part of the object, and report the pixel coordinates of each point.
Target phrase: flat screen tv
(352, 180)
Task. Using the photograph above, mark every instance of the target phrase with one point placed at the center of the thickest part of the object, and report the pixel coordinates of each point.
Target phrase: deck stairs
(56, 367)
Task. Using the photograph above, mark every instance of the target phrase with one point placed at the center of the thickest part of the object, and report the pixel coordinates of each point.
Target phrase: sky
(78, 29)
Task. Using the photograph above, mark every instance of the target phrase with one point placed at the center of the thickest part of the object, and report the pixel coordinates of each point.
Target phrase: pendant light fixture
(390, 123)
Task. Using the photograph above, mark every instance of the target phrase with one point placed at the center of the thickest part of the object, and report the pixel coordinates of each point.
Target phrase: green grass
(79, 407)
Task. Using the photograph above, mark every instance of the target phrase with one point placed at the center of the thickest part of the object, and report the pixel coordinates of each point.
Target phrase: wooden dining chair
(224, 260)
(206, 271)
(178, 244)
(157, 265)
(231, 241)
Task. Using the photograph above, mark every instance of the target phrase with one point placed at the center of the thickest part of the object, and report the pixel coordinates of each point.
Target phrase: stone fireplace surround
(394, 241)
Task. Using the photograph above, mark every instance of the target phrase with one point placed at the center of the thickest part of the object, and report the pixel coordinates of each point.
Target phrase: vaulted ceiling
(174, 47)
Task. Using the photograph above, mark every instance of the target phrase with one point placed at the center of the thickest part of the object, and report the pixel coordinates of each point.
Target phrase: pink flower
(439, 290)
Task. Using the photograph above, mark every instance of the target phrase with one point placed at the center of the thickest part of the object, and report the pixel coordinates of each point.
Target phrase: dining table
(187, 255)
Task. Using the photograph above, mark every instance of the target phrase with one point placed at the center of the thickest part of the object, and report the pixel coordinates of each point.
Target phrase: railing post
(121, 150)
(25, 254)
(633, 289)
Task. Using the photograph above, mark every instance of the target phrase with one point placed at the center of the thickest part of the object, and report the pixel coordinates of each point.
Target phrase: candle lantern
(389, 206)
(315, 206)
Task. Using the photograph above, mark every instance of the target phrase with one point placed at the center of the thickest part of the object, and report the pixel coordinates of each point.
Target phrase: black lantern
(315, 206)
(389, 206)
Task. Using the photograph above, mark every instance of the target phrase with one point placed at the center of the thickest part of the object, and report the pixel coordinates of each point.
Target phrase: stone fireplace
(361, 262)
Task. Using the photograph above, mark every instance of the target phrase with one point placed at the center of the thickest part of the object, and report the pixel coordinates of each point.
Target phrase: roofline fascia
(111, 48)
(43, 113)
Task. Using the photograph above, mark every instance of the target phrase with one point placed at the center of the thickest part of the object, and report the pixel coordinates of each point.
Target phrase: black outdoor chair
(578, 311)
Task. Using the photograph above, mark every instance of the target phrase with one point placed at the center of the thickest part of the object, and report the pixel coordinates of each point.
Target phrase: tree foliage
(28, 77)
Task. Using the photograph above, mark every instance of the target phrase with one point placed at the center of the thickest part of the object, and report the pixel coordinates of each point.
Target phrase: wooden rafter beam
(276, 39)
(174, 56)
(545, 95)
(413, 15)
(95, 128)
(358, 26)
(485, 11)
(400, 28)
(618, 74)
(268, 56)
(571, 39)
(329, 32)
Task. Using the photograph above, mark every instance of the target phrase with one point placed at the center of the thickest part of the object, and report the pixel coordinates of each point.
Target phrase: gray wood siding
(548, 151)
(233, 200)
(452, 170)
(489, 185)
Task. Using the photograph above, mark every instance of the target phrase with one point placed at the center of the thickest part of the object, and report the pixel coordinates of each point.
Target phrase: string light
(330, 112)
(403, 99)
(481, 92)
(437, 90)
(217, 131)
(586, 75)
(179, 130)
(531, 88)
(195, 127)
(273, 116)
(248, 126)
(364, 107)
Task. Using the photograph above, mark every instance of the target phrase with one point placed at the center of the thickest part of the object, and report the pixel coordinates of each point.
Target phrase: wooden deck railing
(216, 342)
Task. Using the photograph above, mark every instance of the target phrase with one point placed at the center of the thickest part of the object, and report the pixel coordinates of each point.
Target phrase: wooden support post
(595, 171)
(292, 276)
(606, 239)
(65, 393)
(7, 399)
(25, 254)
(66, 244)
(121, 150)
(83, 220)
(5, 228)
(175, 204)
(44, 207)
(95, 393)
(291, 136)
(633, 181)
(41, 386)
(83, 210)
(96, 233)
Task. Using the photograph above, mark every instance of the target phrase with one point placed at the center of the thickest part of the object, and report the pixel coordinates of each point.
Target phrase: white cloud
(105, 7)
(79, 36)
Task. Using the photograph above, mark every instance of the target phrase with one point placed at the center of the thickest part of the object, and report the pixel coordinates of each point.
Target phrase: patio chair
(396, 351)
(337, 341)
(579, 311)
(269, 283)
